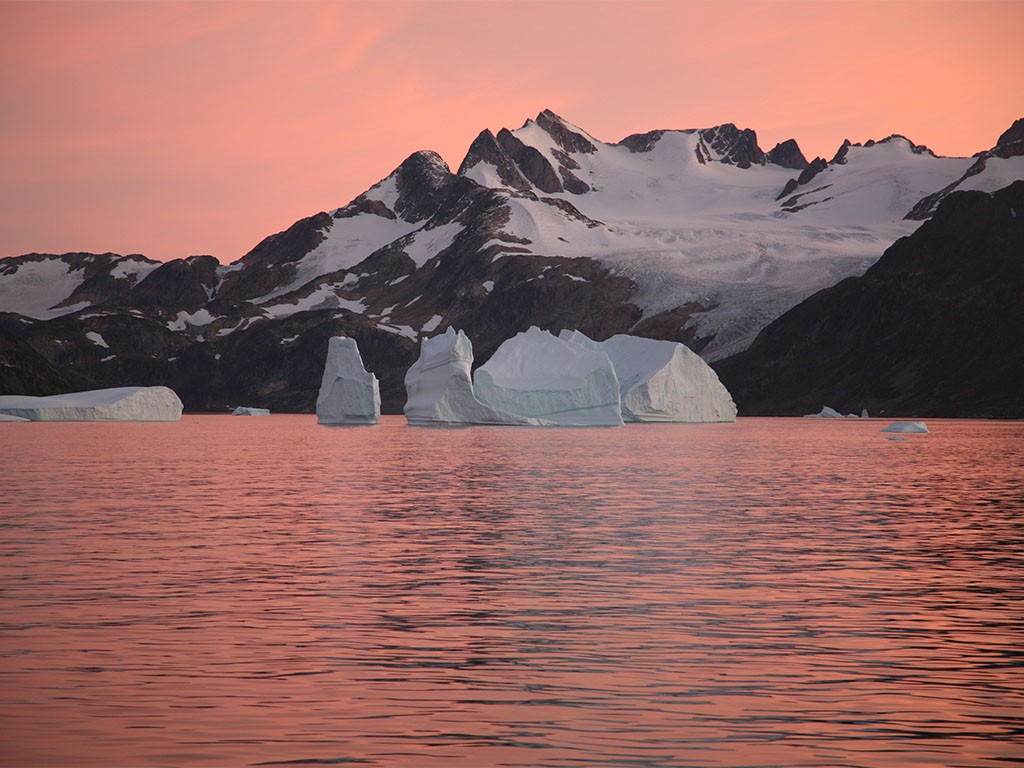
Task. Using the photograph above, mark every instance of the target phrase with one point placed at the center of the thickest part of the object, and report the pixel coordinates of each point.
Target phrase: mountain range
(698, 236)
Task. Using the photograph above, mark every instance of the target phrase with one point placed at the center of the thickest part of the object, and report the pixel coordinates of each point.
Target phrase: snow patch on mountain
(97, 339)
(201, 317)
(34, 286)
(427, 243)
(999, 172)
(346, 243)
(324, 297)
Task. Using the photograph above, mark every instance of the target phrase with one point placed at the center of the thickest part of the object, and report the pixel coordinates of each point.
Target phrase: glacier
(661, 380)
(440, 390)
(349, 394)
(538, 375)
(115, 404)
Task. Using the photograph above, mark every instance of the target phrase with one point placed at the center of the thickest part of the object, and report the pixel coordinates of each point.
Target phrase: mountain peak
(565, 134)
(486, 149)
(733, 145)
(1011, 141)
(787, 154)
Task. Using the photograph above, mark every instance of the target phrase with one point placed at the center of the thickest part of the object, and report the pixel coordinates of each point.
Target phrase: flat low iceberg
(831, 413)
(662, 381)
(908, 427)
(116, 404)
(244, 410)
(538, 375)
(440, 390)
(349, 394)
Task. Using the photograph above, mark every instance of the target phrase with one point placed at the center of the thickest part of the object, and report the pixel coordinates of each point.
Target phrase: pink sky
(172, 129)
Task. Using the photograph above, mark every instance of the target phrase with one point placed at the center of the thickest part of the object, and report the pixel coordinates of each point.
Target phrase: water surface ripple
(265, 591)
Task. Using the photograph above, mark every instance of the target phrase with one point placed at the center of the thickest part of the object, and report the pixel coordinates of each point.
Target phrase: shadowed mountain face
(934, 328)
(24, 371)
(697, 236)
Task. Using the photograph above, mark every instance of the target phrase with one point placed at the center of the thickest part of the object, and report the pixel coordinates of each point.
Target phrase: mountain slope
(934, 328)
(697, 236)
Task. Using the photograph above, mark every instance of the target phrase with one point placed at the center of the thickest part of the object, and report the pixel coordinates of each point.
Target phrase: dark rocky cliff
(934, 328)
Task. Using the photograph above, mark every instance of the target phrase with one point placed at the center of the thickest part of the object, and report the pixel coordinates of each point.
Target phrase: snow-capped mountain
(934, 328)
(697, 236)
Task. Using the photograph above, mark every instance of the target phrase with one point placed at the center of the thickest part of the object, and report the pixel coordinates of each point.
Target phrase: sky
(176, 128)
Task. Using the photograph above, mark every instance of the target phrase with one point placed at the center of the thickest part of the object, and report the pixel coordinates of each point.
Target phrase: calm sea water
(230, 591)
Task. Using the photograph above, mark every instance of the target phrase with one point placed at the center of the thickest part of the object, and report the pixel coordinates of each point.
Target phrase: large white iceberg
(349, 394)
(440, 390)
(117, 404)
(538, 375)
(661, 380)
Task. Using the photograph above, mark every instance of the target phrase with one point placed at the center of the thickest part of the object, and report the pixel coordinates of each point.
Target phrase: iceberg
(8, 417)
(243, 410)
(440, 390)
(349, 394)
(907, 427)
(832, 413)
(117, 404)
(661, 380)
(537, 375)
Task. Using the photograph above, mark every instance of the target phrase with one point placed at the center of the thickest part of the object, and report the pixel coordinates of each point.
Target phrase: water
(265, 591)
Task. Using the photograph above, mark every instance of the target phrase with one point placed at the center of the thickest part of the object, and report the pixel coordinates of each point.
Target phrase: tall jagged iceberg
(538, 375)
(349, 394)
(116, 404)
(440, 390)
(661, 380)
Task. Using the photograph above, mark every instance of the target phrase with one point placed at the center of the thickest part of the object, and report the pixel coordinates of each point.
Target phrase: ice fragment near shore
(662, 380)
(907, 427)
(538, 375)
(116, 404)
(349, 394)
(440, 390)
(243, 410)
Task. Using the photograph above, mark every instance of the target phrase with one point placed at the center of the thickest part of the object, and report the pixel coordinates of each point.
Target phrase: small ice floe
(245, 411)
(896, 437)
(8, 417)
(907, 427)
(831, 413)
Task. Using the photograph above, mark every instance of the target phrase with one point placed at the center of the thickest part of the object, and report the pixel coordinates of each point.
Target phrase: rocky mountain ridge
(683, 235)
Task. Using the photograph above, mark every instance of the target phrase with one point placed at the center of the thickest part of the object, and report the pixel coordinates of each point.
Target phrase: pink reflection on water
(231, 591)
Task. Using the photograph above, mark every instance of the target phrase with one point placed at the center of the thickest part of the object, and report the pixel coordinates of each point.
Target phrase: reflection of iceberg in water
(539, 375)
(440, 390)
(907, 427)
